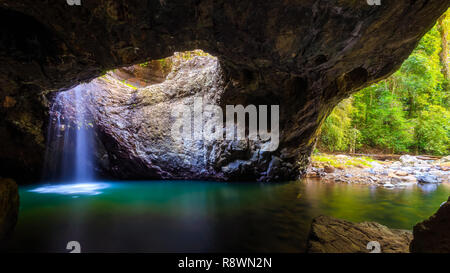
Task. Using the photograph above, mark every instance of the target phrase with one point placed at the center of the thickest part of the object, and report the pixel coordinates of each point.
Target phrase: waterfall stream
(70, 139)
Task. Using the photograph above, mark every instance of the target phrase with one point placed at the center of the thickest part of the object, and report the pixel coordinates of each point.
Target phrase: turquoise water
(188, 216)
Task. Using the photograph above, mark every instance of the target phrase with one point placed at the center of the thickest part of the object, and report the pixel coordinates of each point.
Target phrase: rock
(408, 160)
(436, 173)
(331, 235)
(329, 169)
(409, 179)
(408, 170)
(404, 179)
(427, 178)
(376, 165)
(432, 235)
(267, 55)
(388, 185)
(313, 175)
(401, 173)
(423, 166)
(9, 208)
(445, 159)
(445, 166)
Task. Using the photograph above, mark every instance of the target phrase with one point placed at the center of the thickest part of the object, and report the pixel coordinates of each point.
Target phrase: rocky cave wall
(133, 123)
(303, 55)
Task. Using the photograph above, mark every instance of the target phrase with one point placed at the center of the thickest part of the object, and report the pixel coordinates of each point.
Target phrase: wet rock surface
(432, 235)
(304, 56)
(409, 170)
(331, 235)
(9, 208)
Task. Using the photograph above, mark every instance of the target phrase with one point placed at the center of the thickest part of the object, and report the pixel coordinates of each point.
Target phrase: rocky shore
(408, 170)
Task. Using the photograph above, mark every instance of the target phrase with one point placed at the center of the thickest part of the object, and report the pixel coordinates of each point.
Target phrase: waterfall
(70, 138)
(83, 154)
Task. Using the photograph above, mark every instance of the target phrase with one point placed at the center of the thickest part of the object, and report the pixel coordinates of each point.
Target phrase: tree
(443, 27)
(337, 131)
(408, 112)
(432, 132)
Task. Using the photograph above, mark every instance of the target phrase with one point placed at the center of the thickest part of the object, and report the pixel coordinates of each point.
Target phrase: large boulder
(9, 208)
(304, 56)
(331, 235)
(433, 234)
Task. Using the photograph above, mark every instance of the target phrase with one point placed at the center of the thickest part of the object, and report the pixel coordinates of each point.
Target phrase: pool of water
(188, 216)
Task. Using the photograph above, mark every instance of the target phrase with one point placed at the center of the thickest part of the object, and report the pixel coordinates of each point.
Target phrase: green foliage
(342, 162)
(381, 120)
(408, 112)
(432, 131)
(337, 133)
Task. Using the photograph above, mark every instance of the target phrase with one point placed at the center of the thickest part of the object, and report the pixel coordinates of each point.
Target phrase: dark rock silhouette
(433, 234)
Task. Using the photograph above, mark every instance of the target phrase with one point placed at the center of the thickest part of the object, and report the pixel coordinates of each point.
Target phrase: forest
(405, 113)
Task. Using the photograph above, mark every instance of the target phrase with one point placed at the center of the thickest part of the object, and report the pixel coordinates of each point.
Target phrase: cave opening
(95, 128)
(161, 119)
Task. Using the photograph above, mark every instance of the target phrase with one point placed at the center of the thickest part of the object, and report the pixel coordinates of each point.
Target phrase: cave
(108, 74)
(262, 63)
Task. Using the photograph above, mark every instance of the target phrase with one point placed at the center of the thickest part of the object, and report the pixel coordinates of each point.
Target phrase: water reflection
(428, 187)
(71, 189)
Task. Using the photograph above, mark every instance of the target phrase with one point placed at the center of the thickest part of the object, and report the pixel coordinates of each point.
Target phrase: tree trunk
(444, 44)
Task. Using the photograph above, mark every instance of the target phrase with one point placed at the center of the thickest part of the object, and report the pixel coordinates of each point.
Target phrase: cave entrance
(118, 125)
(162, 119)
